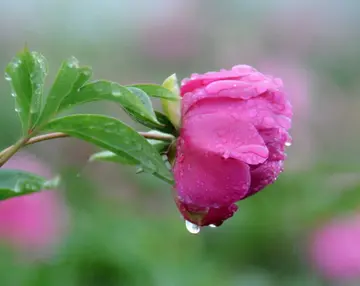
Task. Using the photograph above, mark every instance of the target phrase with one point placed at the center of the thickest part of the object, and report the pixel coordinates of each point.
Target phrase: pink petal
(261, 111)
(201, 217)
(224, 134)
(264, 175)
(275, 140)
(240, 88)
(206, 179)
(199, 80)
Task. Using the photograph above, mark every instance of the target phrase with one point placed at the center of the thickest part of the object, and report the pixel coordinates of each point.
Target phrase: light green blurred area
(125, 228)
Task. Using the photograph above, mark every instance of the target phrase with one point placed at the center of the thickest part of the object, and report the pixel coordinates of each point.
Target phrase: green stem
(7, 153)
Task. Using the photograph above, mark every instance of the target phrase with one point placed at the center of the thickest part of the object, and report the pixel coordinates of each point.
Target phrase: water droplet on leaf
(73, 63)
(86, 73)
(150, 167)
(7, 77)
(192, 228)
(115, 90)
(16, 62)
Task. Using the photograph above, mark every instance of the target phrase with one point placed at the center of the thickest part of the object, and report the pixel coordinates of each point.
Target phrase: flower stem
(7, 153)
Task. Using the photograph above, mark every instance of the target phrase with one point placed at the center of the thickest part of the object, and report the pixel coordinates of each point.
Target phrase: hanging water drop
(192, 228)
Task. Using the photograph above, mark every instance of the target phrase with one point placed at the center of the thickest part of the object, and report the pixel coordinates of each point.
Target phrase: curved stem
(7, 153)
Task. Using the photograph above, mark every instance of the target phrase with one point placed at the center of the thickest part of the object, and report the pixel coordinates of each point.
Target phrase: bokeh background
(108, 226)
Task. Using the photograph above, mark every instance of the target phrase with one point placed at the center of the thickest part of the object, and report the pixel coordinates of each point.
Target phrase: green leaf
(157, 91)
(85, 74)
(164, 126)
(69, 76)
(15, 183)
(160, 146)
(26, 73)
(133, 103)
(167, 126)
(115, 136)
(112, 157)
(145, 100)
(39, 70)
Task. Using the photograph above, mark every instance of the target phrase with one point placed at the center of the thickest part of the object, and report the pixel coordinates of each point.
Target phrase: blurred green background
(124, 229)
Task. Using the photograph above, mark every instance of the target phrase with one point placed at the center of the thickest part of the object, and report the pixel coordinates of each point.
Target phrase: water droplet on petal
(226, 154)
(288, 144)
(192, 228)
(181, 158)
(212, 225)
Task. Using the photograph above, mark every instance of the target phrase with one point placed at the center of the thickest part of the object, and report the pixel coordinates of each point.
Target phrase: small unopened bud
(171, 108)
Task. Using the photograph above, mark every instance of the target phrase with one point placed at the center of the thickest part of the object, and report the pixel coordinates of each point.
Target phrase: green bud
(172, 109)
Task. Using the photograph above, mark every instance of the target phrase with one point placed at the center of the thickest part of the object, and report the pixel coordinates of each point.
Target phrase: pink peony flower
(335, 249)
(233, 134)
(33, 222)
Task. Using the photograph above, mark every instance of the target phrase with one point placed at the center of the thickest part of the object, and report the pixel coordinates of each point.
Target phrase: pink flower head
(234, 129)
(32, 222)
(335, 249)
